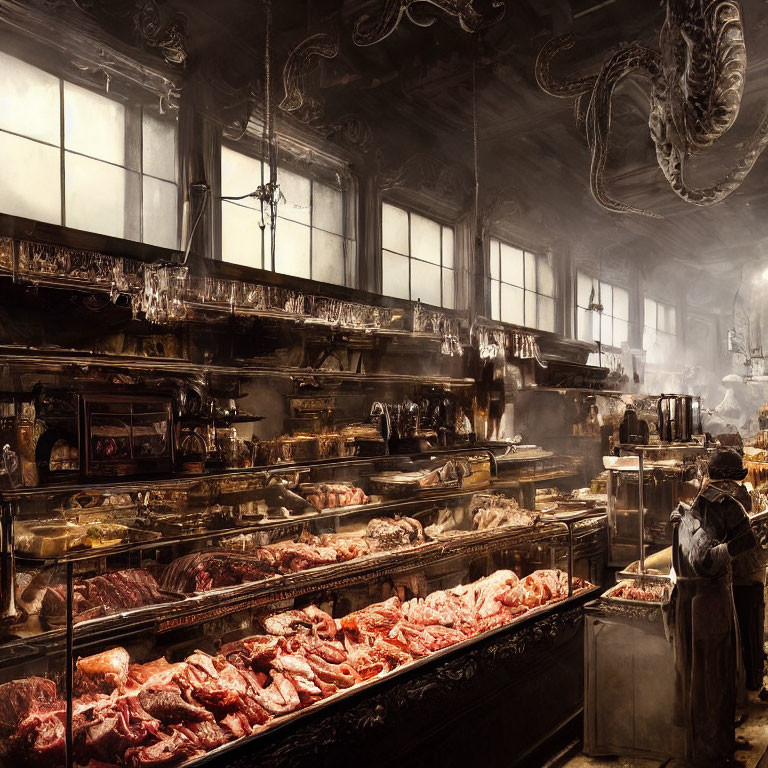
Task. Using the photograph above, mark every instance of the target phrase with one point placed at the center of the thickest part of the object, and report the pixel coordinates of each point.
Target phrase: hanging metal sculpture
(370, 30)
(300, 63)
(697, 82)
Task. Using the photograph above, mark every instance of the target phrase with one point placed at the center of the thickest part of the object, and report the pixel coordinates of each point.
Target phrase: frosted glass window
(327, 257)
(659, 331)
(159, 147)
(106, 182)
(328, 209)
(292, 249)
(428, 248)
(611, 326)
(512, 304)
(93, 125)
(532, 274)
(30, 102)
(425, 240)
(425, 282)
(620, 304)
(240, 236)
(546, 278)
(313, 233)
(512, 266)
(297, 192)
(448, 247)
(495, 266)
(546, 314)
(160, 213)
(530, 309)
(240, 175)
(395, 275)
(449, 289)
(394, 229)
(30, 182)
(95, 195)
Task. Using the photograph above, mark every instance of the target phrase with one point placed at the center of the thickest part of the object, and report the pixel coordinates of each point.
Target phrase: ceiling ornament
(300, 64)
(370, 30)
(170, 38)
(429, 175)
(696, 86)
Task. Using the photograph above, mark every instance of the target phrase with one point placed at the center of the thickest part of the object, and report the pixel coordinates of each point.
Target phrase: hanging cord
(475, 143)
(269, 120)
(201, 210)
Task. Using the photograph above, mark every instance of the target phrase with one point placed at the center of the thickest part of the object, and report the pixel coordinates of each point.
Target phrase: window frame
(248, 147)
(133, 140)
(538, 256)
(443, 223)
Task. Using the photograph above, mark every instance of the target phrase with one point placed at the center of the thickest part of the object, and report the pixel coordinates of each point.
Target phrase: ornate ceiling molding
(169, 38)
(371, 29)
(300, 63)
(430, 176)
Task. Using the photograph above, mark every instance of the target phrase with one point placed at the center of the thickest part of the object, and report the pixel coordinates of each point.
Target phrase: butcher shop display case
(266, 532)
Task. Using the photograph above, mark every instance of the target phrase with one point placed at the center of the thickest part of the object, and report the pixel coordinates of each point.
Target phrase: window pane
(530, 271)
(620, 304)
(584, 289)
(425, 282)
(292, 249)
(546, 314)
(606, 329)
(584, 325)
(394, 229)
(327, 208)
(448, 237)
(240, 235)
(530, 309)
(94, 125)
(159, 147)
(327, 257)
(240, 174)
(511, 265)
(449, 289)
(425, 239)
(606, 299)
(546, 278)
(649, 313)
(29, 101)
(97, 199)
(394, 275)
(495, 270)
(296, 191)
(512, 309)
(495, 309)
(671, 320)
(620, 332)
(649, 338)
(30, 182)
(160, 213)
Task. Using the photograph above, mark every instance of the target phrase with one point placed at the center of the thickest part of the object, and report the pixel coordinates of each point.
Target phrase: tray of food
(639, 590)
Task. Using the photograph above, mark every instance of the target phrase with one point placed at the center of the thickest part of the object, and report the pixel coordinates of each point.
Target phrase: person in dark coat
(707, 536)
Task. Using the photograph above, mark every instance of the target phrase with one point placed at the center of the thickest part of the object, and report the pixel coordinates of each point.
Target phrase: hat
(727, 465)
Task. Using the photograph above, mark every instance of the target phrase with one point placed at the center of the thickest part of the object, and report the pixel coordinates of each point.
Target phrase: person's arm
(739, 537)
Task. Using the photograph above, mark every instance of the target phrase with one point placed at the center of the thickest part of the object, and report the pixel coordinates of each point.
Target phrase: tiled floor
(754, 730)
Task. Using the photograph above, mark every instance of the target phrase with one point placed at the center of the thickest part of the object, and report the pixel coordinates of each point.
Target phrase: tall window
(417, 258)
(312, 237)
(522, 287)
(611, 325)
(659, 330)
(75, 157)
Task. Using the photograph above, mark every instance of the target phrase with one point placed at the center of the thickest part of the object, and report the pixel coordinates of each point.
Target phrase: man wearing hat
(707, 536)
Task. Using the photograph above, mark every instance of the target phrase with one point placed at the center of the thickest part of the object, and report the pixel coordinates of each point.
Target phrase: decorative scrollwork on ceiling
(170, 38)
(697, 80)
(371, 29)
(352, 131)
(428, 174)
(299, 65)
